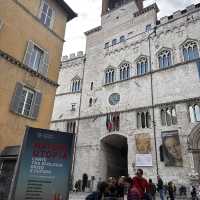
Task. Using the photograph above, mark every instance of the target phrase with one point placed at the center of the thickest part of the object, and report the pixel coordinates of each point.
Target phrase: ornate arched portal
(194, 146)
(114, 150)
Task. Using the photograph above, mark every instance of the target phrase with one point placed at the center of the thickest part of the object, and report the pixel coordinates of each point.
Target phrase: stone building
(31, 42)
(133, 100)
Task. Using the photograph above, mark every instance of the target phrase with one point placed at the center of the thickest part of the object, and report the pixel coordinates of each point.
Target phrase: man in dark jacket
(160, 188)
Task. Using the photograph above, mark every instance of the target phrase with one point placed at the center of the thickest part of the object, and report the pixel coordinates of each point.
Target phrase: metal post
(152, 103)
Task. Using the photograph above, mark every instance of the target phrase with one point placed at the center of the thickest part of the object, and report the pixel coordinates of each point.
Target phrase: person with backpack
(152, 189)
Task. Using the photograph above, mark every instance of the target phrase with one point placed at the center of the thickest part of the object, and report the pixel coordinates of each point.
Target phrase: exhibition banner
(44, 166)
(143, 150)
(172, 149)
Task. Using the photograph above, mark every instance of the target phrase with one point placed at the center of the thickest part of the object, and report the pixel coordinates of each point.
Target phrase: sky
(89, 16)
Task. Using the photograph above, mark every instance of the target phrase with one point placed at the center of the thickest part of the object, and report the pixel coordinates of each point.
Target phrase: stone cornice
(19, 64)
(67, 93)
(160, 105)
(93, 30)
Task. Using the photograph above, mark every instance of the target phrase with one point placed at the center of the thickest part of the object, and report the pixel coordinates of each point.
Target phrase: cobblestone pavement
(81, 196)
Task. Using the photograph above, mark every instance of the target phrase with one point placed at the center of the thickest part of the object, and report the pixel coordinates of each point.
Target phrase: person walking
(160, 188)
(140, 187)
(171, 190)
(194, 193)
(152, 189)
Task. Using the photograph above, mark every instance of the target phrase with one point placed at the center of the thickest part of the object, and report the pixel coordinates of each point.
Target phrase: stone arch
(114, 155)
(194, 146)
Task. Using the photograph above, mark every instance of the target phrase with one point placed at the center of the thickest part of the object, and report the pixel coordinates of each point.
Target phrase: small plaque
(114, 98)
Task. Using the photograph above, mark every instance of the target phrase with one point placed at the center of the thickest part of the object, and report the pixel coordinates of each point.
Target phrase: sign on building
(44, 165)
(143, 150)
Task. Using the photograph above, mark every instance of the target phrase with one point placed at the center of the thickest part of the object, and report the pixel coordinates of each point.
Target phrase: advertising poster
(172, 149)
(44, 166)
(143, 150)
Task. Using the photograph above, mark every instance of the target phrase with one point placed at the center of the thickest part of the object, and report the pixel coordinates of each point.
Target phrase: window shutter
(36, 105)
(52, 19)
(29, 50)
(198, 67)
(16, 97)
(43, 68)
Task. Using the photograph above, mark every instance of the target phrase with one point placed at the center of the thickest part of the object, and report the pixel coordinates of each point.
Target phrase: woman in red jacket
(140, 185)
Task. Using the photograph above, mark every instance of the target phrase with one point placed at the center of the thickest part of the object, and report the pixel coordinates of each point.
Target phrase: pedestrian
(84, 182)
(99, 194)
(194, 193)
(160, 187)
(152, 189)
(171, 190)
(140, 186)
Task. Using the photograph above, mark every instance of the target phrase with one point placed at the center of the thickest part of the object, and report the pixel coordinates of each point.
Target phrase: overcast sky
(89, 13)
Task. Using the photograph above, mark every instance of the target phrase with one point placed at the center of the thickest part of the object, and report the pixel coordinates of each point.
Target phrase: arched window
(109, 76)
(76, 85)
(114, 41)
(143, 120)
(71, 126)
(122, 38)
(163, 117)
(124, 71)
(194, 111)
(168, 116)
(90, 102)
(165, 59)
(142, 66)
(190, 50)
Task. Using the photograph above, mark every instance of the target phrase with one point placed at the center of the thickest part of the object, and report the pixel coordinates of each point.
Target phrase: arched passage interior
(114, 155)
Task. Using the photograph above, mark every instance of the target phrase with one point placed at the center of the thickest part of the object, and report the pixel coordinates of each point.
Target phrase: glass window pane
(163, 117)
(174, 118)
(168, 117)
(146, 67)
(192, 116)
(196, 52)
(45, 8)
(161, 61)
(48, 21)
(138, 69)
(169, 59)
(185, 54)
(138, 120)
(143, 68)
(197, 112)
(43, 18)
(165, 61)
(128, 72)
(143, 120)
(190, 53)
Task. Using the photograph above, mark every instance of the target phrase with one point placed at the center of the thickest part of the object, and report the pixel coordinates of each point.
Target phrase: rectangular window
(26, 101)
(46, 14)
(36, 58)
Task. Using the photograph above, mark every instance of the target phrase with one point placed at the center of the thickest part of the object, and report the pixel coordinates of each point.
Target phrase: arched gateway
(114, 150)
(194, 146)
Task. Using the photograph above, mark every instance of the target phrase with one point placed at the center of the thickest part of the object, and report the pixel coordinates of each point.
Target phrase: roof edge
(69, 12)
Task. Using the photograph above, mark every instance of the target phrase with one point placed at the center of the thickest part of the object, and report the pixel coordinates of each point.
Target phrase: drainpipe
(78, 122)
(152, 101)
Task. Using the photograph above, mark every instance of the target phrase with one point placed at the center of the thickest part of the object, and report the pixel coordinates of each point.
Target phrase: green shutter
(16, 98)
(36, 105)
(28, 53)
(43, 68)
